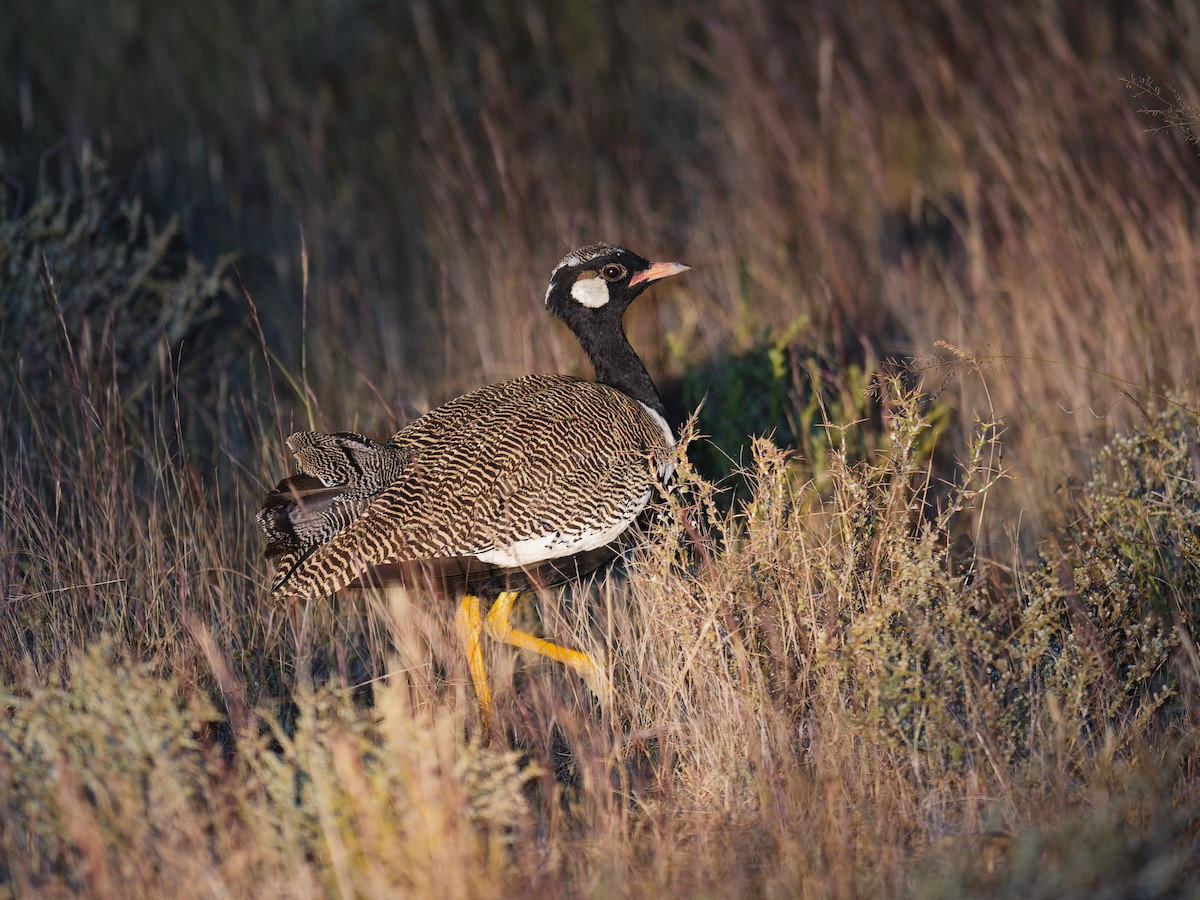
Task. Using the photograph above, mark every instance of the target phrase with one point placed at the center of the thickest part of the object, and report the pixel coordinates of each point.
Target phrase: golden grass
(820, 697)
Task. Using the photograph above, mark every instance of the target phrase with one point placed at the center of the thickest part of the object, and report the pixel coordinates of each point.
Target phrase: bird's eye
(613, 272)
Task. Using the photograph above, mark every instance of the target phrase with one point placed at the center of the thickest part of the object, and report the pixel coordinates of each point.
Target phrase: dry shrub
(103, 781)
(94, 287)
(113, 787)
(829, 682)
(815, 693)
(1122, 580)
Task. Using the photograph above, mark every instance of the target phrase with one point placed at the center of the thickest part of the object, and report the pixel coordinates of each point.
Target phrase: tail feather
(348, 460)
(302, 512)
(340, 474)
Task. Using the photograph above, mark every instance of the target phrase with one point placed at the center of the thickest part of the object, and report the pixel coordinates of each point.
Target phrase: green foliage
(742, 395)
(793, 397)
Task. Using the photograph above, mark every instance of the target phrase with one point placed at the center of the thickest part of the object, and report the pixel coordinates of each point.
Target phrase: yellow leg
(470, 632)
(498, 626)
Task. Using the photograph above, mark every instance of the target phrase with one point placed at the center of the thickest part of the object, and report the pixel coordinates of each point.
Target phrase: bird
(525, 483)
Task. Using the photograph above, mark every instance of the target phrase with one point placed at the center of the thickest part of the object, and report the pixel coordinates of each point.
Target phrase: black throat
(616, 363)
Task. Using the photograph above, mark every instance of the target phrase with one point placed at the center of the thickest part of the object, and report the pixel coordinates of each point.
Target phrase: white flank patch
(661, 423)
(667, 469)
(555, 546)
(590, 292)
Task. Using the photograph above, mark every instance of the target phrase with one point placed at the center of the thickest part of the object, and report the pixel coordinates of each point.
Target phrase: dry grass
(821, 697)
(949, 649)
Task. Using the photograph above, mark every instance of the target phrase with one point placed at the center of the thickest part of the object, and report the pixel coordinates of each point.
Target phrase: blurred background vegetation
(856, 181)
(948, 252)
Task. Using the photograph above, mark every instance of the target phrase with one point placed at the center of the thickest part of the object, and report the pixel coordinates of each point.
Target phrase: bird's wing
(541, 474)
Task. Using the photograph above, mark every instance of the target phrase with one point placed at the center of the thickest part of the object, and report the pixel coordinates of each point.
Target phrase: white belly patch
(557, 545)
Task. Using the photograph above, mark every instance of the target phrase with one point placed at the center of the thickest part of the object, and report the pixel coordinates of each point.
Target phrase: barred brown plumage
(524, 482)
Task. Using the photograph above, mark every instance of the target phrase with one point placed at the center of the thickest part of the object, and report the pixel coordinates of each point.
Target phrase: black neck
(618, 365)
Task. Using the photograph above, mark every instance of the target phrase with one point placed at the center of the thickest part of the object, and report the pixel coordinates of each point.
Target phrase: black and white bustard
(523, 483)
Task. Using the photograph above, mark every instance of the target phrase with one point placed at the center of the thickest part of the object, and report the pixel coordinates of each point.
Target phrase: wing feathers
(538, 464)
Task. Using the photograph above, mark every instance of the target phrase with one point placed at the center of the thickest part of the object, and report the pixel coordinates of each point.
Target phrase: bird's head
(598, 283)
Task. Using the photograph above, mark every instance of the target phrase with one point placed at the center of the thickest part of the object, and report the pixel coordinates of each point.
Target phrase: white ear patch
(590, 292)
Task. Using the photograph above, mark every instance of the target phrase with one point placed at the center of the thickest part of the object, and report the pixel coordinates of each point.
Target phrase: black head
(599, 282)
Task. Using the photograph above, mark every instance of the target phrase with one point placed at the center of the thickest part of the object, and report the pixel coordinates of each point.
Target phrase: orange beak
(657, 271)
